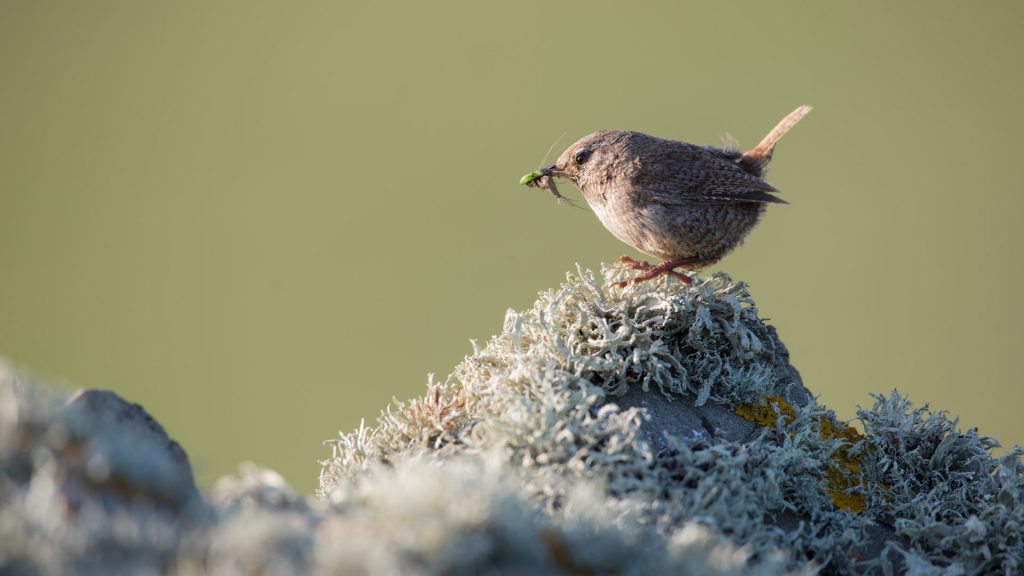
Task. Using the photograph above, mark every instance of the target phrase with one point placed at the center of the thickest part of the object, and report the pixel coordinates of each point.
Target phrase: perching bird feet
(650, 272)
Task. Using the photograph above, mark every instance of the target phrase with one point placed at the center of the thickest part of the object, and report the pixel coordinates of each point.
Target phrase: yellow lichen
(767, 413)
(844, 473)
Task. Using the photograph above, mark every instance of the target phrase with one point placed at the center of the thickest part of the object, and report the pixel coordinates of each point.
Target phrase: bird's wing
(736, 186)
(706, 177)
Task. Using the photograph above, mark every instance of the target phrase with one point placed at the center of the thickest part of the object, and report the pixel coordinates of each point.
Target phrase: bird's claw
(641, 265)
(650, 272)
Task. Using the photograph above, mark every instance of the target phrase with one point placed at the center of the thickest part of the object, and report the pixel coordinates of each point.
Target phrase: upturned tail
(757, 158)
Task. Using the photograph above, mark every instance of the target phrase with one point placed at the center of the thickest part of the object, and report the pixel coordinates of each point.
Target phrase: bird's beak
(546, 171)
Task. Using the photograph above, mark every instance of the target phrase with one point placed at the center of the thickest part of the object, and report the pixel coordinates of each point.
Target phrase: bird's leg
(665, 268)
(652, 272)
(641, 265)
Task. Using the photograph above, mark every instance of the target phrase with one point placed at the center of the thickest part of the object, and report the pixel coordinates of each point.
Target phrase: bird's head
(589, 160)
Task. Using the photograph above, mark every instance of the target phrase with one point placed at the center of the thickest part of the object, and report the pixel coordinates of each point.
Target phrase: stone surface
(114, 451)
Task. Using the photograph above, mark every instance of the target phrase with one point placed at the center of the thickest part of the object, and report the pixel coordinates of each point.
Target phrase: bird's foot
(641, 265)
(652, 272)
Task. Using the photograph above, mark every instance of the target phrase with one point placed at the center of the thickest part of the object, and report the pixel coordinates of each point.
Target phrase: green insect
(544, 181)
(526, 180)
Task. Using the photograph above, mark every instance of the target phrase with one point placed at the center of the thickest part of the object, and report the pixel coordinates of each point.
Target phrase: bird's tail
(757, 158)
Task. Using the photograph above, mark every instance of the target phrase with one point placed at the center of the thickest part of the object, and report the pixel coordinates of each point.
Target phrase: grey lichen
(961, 508)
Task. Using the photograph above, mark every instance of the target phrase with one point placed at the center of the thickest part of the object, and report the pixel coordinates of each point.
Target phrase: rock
(89, 486)
(97, 448)
(114, 452)
(682, 417)
(658, 429)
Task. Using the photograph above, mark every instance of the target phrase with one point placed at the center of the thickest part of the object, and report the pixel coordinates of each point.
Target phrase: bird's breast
(626, 213)
(673, 231)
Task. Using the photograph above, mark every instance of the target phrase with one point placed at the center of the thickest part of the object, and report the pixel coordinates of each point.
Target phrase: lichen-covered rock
(655, 429)
(115, 452)
(90, 485)
(961, 509)
(678, 405)
(636, 391)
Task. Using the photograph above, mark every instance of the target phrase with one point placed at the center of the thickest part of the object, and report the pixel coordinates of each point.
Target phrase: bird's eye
(582, 156)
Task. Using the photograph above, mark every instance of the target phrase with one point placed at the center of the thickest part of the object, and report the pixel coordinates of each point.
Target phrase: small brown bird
(685, 204)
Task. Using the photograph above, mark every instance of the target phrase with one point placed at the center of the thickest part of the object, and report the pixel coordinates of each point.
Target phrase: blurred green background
(263, 220)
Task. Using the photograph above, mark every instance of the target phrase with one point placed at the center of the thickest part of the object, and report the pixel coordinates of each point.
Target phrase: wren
(684, 204)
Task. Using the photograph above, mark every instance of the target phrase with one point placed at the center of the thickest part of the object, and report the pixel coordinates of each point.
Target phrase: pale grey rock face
(89, 484)
(122, 454)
